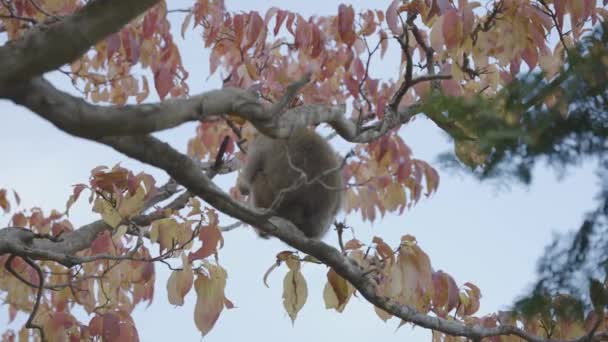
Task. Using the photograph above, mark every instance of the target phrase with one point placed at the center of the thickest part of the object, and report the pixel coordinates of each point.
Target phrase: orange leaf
(210, 236)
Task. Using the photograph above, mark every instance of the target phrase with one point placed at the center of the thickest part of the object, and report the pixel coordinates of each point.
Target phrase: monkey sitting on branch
(299, 178)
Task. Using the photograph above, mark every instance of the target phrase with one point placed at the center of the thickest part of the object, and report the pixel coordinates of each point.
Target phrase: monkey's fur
(313, 205)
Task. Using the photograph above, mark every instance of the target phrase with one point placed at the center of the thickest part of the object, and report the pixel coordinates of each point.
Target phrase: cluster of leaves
(403, 274)
(117, 271)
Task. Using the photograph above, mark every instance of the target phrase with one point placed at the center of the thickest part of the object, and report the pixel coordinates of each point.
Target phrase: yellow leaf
(295, 293)
(119, 233)
(132, 205)
(341, 289)
(209, 298)
(180, 283)
(394, 196)
(108, 213)
(293, 262)
(165, 232)
(329, 297)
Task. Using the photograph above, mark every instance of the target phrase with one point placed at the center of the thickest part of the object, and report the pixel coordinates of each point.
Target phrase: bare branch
(30, 320)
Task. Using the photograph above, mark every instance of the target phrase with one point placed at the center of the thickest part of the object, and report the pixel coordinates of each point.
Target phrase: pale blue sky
(473, 231)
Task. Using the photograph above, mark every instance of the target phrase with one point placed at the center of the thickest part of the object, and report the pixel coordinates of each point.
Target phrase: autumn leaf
(346, 18)
(4, 203)
(295, 292)
(452, 29)
(209, 297)
(210, 237)
(107, 211)
(132, 205)
(337, 291)
(167, 232)
(392, 18)
(74, 197)
(180, 283)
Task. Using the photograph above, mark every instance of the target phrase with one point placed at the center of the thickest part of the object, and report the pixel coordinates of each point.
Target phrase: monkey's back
(279, 163)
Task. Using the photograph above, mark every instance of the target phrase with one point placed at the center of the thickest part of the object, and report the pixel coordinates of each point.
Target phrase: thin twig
(30, 320)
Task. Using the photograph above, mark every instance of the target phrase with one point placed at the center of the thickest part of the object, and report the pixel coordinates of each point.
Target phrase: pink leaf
(281, 15)
(346, 18)
(254, 28)
(149, 26)
(392, 18)
(316, 42)
(163, 81)
(452, 29)
(289, 23)
(113, 42)
(238, 23)
(530, 56)
(383, 43)
(351, 84)
(271, 12)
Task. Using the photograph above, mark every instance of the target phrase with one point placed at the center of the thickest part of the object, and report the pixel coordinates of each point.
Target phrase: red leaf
(302, 33)
(134, 48)
(102, 243)
(163, 81)
(281, 15)
(316, 42)
(4, 203)
(238, 23)
(289, 23)
(254, 28)
(358, 68)
(452, 29)
(560, 10)
(514, 66)
(346, 19)
(530, 56)
(113, 42)
(110, 330)
(210, 236)
(150, 21)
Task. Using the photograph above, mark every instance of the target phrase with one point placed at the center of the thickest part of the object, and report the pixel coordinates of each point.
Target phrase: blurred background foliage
(561, 121)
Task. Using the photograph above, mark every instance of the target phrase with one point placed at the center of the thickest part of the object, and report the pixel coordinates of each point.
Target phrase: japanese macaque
(299, 178)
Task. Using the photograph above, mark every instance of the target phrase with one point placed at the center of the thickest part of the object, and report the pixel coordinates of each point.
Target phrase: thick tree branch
(46, 48)
(77, 117)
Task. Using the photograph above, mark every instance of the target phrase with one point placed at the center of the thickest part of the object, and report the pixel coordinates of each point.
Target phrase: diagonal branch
(46, 47)
(154, 152)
